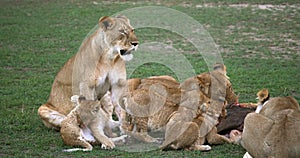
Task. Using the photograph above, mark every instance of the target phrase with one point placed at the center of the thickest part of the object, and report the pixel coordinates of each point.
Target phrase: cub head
(87, 110)
(90, 107)
(262, 96)
(120, 35)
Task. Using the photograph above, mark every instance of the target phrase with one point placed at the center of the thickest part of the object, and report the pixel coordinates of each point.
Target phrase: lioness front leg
(87, 90)
(117, 91)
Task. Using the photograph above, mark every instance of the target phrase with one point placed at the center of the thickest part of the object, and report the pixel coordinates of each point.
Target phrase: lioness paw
(205, 147)
(108, 145)
(201, 147)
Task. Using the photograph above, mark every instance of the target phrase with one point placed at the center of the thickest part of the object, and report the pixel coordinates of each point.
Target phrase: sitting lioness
(98, 66)
(89, 123)
(274, 131)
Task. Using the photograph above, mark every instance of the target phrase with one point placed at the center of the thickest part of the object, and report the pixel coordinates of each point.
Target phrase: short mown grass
(259, 46)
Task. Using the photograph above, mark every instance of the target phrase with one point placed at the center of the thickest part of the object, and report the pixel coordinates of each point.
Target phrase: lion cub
(88, 123)
(263, 96)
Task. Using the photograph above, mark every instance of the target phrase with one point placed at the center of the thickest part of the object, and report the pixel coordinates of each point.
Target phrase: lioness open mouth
(125, 52)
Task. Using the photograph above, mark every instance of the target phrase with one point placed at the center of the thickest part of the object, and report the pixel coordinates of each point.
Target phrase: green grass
(259, 47)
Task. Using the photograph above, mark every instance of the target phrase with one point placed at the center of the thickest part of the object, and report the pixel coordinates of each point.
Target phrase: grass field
(258, 40)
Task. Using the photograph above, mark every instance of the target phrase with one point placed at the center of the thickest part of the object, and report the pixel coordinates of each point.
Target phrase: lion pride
(97, 67)
(152, 102)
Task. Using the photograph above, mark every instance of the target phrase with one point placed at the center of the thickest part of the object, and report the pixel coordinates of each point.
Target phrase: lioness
(207, 131)
(98, 66)
(198, 113)
(181, 131)
(274, 131)
(89, 123)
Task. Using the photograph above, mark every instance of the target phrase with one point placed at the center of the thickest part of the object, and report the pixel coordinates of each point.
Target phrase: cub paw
(74, 98)
(120, 138)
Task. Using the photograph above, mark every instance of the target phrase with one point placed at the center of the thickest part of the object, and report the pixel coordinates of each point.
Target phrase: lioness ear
(106, 23)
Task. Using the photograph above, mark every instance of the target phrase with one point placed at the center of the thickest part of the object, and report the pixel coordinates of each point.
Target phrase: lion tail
(77, 149)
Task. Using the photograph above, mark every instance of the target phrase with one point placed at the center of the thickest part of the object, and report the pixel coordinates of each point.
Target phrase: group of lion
(92, 85)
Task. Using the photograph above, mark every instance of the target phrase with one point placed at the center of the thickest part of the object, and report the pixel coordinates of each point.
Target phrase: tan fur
(89, 123)
(138, 98)
(262, 97)
(181, 131)
(137, 103)
(274, 131)
(205, 120)
(208, 131)
(98, 66)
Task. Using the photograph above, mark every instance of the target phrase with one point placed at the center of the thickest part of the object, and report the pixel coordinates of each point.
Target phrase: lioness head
(120, 35)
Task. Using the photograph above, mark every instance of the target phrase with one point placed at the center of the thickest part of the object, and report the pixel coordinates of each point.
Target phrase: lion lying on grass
(98, 66)
(274, 131)
(89, 123)
(198, 113)
(151, 102)
(181, 131)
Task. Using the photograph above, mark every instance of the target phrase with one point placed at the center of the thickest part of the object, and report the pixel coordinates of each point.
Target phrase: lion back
(274, 132)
